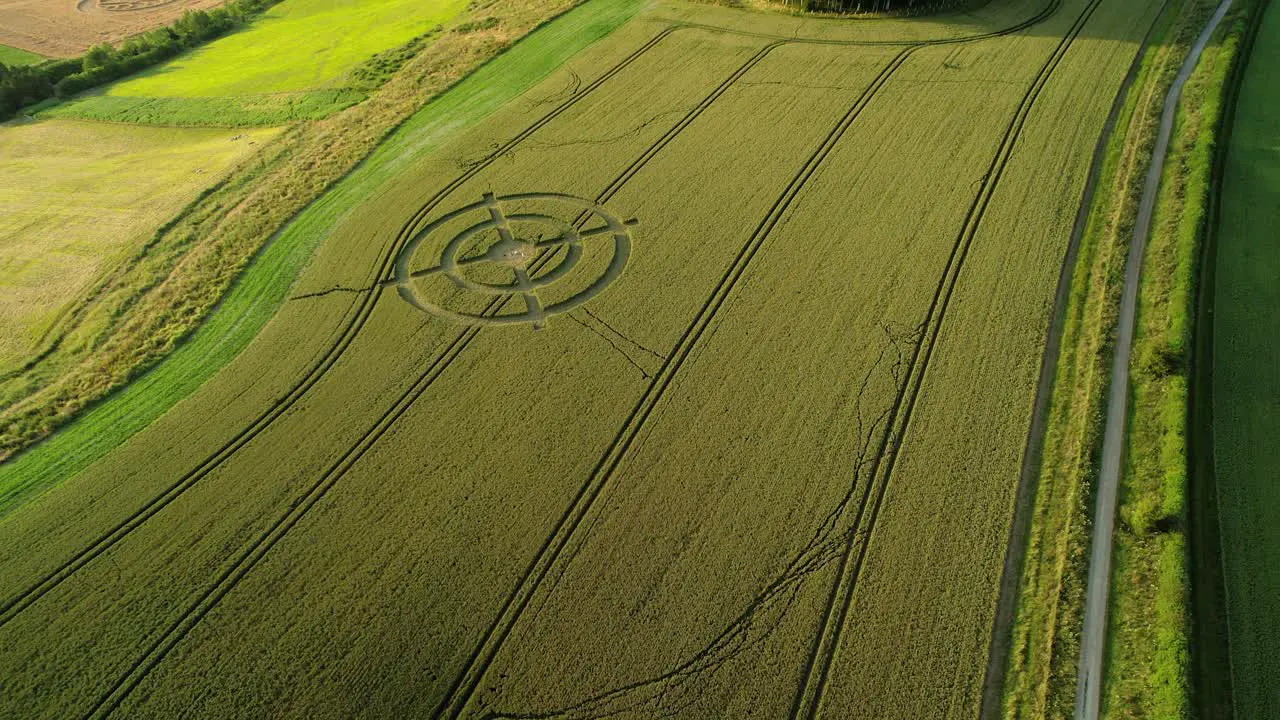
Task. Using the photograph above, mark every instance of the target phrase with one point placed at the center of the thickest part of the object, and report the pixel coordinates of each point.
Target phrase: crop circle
(495, 244)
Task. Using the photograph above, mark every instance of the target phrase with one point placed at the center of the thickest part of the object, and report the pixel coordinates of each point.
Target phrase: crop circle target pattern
(518, 256)
(132, 5)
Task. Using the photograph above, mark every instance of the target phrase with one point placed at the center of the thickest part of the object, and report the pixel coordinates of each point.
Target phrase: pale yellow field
(65, 28)
(79, 198)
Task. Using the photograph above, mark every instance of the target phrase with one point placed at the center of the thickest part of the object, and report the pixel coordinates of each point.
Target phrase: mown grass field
(79, 198)
(16, 56)
(768, 468)
(1246, 385)
(294, 62)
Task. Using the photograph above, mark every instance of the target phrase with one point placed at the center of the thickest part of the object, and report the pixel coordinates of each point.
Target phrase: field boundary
(1028, 479)
(1212, 672)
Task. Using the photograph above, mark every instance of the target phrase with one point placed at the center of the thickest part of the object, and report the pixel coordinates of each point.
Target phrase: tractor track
(817, 673)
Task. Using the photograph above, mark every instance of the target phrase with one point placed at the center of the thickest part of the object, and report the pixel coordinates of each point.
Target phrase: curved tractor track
(826, 643)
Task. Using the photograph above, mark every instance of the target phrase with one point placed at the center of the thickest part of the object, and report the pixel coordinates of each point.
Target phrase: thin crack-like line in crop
(334, 289)
(971, 81)
(622, 335)
(612, 344)
(798, 85)
(571, 88)
(675, 688)
(608, 138)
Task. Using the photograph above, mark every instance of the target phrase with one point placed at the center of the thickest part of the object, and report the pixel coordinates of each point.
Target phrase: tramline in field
(652, 397)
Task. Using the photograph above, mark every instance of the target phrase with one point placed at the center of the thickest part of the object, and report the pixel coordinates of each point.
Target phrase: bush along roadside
(21, 86)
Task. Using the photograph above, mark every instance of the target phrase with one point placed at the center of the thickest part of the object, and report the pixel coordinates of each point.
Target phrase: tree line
(21, 86)
(872, 6)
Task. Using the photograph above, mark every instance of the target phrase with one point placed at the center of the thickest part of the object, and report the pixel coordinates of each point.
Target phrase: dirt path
(1093, 644)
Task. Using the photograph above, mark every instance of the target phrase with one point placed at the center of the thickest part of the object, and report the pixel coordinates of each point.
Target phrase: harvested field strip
(67, 29)
(364, 308)
(808, 703)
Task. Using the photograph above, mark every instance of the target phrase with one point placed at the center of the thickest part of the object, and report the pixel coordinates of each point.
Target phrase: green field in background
(1246, 380)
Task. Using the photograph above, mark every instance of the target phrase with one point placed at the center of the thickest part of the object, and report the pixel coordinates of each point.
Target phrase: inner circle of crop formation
(522, 255)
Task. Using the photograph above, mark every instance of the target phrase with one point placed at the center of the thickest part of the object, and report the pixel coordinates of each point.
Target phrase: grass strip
(13, 56)
(239, 111)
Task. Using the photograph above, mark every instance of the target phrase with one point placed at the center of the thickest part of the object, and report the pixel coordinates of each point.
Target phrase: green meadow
(15, 56)
(294, 62)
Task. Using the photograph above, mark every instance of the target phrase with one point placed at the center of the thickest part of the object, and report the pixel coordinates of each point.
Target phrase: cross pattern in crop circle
(130, 5)
(493, 244)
